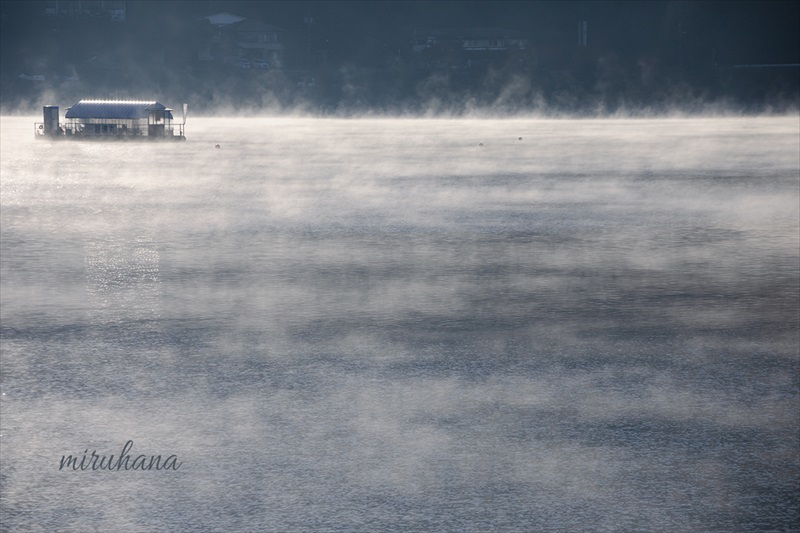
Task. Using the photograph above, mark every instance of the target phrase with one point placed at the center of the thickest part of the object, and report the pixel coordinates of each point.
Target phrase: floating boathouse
(111, 119)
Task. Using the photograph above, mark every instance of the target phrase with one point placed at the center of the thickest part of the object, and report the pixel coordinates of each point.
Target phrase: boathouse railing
(111, 130)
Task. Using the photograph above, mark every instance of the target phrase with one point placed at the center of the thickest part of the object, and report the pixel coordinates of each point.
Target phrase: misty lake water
(405, 325)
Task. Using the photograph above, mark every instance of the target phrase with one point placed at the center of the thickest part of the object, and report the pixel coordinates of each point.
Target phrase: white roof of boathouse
(119, 109)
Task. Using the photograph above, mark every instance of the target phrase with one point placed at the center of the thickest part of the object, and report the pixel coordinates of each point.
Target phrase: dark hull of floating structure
(111, 120)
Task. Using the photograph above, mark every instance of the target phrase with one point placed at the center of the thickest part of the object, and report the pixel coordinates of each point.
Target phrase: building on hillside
(466, 47)
(212, 48)
(115, 9)
(246, 43)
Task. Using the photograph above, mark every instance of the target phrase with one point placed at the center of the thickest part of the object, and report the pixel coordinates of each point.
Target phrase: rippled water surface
(404, 325)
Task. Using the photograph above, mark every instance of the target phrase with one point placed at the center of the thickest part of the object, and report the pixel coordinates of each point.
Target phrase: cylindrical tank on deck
(50, 120)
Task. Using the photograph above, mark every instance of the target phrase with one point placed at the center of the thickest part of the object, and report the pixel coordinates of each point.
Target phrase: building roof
(119, 109)
(223, 19)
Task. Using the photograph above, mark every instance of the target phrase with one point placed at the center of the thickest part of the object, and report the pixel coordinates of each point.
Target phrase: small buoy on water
(519, 139)
(216, 146)
(481, 144)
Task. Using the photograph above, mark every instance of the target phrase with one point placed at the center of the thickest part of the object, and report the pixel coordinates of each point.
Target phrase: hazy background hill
(356, 57)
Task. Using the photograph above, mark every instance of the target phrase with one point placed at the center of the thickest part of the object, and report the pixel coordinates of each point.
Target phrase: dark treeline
(355, 57)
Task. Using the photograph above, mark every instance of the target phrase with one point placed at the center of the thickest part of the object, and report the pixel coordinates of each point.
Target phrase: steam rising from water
(467, 325)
